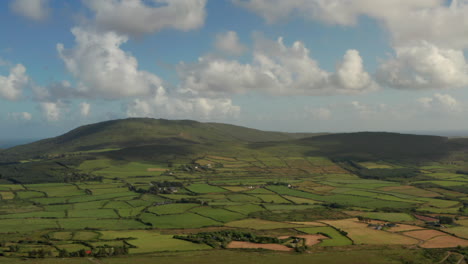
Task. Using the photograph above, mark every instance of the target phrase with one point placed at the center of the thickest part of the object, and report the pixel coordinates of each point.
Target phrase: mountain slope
(146, 131)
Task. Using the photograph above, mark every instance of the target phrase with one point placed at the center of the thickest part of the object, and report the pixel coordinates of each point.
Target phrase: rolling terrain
(203, 190)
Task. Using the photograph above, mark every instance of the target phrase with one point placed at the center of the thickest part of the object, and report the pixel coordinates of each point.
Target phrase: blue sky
(298, 65)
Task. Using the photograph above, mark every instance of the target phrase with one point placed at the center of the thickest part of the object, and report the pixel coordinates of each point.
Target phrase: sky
(296, 65)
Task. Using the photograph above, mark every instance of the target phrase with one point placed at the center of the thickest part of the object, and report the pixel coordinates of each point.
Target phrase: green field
(186, 220)
(107, 194)
(218, 214)
(336, 239)
(167, 209)
(205, 188)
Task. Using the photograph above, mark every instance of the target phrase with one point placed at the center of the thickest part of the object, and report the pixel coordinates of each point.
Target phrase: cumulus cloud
(33, 9)
(340, 12)
(164, 105)
(85, 109)
(52, 111)
(441, 102)
(229, 43)
(276, 69)
(103, 69)
(137, 17)
(11, 86)
(427, 35)
(425, 66)
(20, 116)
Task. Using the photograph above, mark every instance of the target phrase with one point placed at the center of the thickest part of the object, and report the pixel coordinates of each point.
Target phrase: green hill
(379, 145)
(162, 141)
(133, 132)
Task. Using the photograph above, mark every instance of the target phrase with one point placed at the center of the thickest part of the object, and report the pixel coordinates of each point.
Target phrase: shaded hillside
(133, 132)
(372, 146)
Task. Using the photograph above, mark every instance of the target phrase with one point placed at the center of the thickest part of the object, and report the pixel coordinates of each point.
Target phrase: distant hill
(135, 132)
(380, 145)
(371, 146)
(163, 141)
(137, 138)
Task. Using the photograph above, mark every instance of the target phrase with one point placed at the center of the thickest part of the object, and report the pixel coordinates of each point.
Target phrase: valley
(160, 189)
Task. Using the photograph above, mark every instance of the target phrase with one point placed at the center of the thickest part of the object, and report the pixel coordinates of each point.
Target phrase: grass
(95, 213)
(7, 195)
(348, 200)
(29, 194)
(71, 248)
(205, 188)
(288, 207)
(88, 198)
(460, 231)
(439, 202)
(26, 225)
(236, 194)
(61, 235)
(85, 235)
(260, 224)
(391, 217)
(186, 220)
(336, 239)
(117, 205)
(147, 241)
(176, 208)
(218, 214)
(243, 198)
(90, 205)
(58, 191)
(366, 256)
(360, 233)
(272, 198)
(245, 208)
(298, 200)
(103, 224)
(130, 212)
(40, 214)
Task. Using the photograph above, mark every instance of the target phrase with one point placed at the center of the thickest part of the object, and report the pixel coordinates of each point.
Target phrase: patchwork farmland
(234, 198)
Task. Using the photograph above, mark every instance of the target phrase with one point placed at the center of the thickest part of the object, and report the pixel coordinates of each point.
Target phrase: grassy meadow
(145, 201)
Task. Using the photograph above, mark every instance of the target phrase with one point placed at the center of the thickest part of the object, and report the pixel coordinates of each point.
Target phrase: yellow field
(361, 234)
(425, 234)
(309, 223)
(402, 228)
(7, 195)
(445, 242)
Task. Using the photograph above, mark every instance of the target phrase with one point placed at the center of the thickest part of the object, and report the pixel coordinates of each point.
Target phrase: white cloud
(351, 74)
(103, 69)
(52, 111)
(229, 43)
(20, 116)
(441, 103)
(428, 35)
(137, 17)
(407, 21)
(11, 86)
(85, 109)
(425, 66)
(33, 9)
(340, 12)
(177, 106)
(276, 69)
